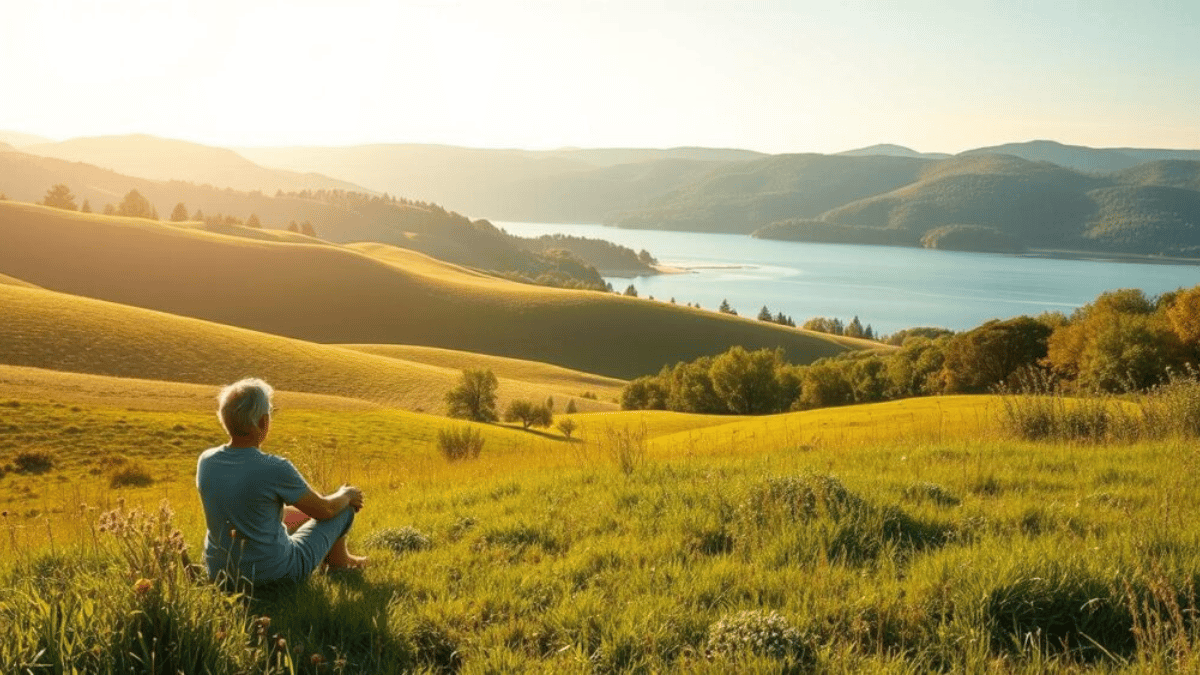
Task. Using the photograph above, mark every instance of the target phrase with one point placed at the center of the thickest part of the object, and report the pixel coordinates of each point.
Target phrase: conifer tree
(180, 213)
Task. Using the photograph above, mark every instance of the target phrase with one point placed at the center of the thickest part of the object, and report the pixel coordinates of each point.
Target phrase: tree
(110, 210)
(824, 385)
(528, 414)
(643, 393)
(179, 214)
(631, 291)
(59, 196)
(571, 410)
(764, 314)
(86, 208)
(726, 308)
(994, 354)
(198, 216)
(307, 229)
(253, 221)
(474, 398)
(854, 328)
(748, 382)
(134, 205)
(293, 227)
(1120, 341)
(567, 426)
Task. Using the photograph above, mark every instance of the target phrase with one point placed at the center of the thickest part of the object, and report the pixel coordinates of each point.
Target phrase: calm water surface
(890, 288)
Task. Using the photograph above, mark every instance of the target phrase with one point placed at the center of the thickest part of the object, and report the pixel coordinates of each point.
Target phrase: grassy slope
(947, 549)
(61, 332)
(372, 295)
(562, 379)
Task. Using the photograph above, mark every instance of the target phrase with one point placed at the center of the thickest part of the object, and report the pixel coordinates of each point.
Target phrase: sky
(771, 76)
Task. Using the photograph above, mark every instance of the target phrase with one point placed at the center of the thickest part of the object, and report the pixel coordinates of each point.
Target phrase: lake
(890, 288)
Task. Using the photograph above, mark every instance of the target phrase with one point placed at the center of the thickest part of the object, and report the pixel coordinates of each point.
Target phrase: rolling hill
(369, 294)
(164, 159)
(337, 216)
(66, 333)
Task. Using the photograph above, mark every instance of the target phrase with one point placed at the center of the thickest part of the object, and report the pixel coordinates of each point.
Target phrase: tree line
(1123, 341)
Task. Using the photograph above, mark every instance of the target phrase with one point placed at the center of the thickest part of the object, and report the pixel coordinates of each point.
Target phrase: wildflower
(143, 586)
(317, 659)
(280, 643)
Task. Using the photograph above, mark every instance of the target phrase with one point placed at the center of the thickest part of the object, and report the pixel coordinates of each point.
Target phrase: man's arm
(324, 508)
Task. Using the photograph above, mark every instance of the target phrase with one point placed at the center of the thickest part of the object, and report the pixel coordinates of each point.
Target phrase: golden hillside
(59, 332)
(369, 294)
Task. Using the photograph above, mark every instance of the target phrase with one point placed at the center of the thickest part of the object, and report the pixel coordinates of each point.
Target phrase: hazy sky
(798, 76)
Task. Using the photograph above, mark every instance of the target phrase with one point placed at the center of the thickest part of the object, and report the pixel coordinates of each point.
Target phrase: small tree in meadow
(567, 426)
(180, 213)
(474, 398)
(528, 414)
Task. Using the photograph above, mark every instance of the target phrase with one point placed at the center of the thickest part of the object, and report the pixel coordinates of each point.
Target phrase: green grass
(948, 548)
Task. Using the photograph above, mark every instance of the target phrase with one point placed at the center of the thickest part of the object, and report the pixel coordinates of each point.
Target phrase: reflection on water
(890, 288)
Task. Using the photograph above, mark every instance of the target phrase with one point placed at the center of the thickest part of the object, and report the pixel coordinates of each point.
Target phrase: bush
(626, 447)
(33, 461)
(131, 474)
(399, 539)
(460, 443)
(759, 632)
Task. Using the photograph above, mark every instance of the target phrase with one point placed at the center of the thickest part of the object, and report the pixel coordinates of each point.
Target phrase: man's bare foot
(349, 562)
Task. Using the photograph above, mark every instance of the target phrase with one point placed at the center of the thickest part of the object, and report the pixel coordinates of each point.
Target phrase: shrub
(33, 461)
(626, 447)
(931, 492)
(399, 539)
(460, 443)
(759, 632)
(1173, 408)
(130, 474)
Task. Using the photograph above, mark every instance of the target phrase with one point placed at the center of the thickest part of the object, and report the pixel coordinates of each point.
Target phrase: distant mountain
(1002, 202)
(1083, 158)
(891, 150)
(572, 185)
(18, 139)
(336, 215)
(166, 159)
(745, 196)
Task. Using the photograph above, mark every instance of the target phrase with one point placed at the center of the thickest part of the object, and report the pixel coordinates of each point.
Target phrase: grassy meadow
(908, 537)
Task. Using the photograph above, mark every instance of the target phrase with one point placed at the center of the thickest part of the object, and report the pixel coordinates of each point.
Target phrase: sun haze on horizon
(768, 76)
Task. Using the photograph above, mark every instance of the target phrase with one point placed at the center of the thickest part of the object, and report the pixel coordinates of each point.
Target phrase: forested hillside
(1003, 203)
(333, 215)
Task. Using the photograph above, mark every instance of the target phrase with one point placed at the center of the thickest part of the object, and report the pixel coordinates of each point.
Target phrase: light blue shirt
(244, 492)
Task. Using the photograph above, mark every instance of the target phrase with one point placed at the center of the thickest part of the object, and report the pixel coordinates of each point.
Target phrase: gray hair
(242, 404)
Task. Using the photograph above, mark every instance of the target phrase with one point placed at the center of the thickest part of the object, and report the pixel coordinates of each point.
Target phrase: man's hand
(355, 495)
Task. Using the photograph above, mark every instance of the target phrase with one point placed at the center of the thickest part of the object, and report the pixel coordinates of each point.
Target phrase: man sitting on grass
(252, 499)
